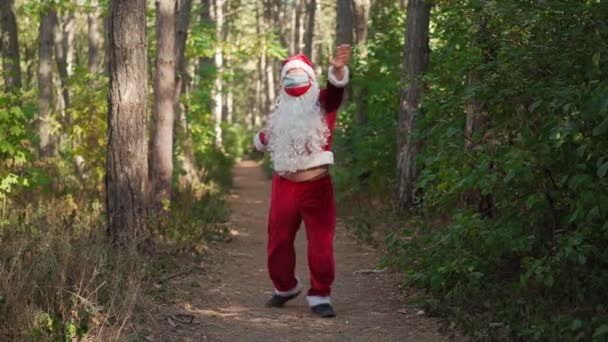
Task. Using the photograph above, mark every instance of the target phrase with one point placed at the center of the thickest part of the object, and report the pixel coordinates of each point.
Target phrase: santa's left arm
(338, 78)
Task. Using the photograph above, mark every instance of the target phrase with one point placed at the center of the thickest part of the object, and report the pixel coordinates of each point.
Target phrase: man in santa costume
(298, 136)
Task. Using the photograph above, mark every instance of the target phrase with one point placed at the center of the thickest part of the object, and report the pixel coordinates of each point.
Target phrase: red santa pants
(291, 202)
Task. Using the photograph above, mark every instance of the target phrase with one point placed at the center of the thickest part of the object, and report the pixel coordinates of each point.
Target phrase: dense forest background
(471, 148)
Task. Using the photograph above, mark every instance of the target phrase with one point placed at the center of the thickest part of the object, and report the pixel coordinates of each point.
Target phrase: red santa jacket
(330, 99)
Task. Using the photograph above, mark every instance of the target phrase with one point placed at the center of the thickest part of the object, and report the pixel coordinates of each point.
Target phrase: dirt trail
(227, 298)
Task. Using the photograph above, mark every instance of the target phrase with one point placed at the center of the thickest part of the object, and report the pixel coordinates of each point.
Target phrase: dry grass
(61, 280)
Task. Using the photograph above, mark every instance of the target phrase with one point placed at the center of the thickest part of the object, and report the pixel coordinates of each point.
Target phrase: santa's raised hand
(342, 58)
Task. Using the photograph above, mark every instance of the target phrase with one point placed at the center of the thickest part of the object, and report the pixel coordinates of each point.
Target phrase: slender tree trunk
(161, 161)
(310, 27)
(94, 36)
(182, 81)
(361, 10)
(218, 84)
(344, 22)
(45, 82)
(299, 28)
(62, 62)
(127, 185)
(10, 47)
(415, 61)
(478, 120)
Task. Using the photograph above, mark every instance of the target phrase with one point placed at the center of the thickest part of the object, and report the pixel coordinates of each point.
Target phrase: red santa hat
(299, 61)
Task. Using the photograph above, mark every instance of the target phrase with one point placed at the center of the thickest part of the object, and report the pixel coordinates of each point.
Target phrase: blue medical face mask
(295, 80)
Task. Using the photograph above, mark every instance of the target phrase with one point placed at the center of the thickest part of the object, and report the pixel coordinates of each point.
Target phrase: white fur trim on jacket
(336, 82)
(298, 64)
(258, 143)
(321, 158)
(316, 300)
(293, 291)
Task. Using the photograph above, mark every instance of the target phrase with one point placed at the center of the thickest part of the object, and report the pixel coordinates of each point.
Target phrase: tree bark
(218, 84)
(127, 185)
(94, 36)
(10, 47)
(310, 28)
(361, 12)
(45, 81)
(344, 22)
(477, 120)
(61, 52)
(415, 61)
(161, 161)
(182, 81)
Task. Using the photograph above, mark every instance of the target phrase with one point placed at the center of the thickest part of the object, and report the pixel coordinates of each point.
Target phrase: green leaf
(601, 128)
(602, 169)
(535, 105)
(601, 331)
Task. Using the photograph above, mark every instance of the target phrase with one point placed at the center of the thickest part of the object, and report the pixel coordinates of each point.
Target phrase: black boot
(324, 310)
(278, 301)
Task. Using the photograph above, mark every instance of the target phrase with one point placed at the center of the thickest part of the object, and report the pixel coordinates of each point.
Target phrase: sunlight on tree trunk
(45, 82)
(161, 156)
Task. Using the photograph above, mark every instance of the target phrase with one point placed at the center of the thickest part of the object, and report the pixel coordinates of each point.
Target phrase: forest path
(226, 298)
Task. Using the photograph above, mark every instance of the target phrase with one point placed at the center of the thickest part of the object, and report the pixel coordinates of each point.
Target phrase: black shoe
(323, 310)
(278, 301)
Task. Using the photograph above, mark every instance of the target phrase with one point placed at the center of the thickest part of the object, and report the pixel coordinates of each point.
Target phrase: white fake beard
(297, 130)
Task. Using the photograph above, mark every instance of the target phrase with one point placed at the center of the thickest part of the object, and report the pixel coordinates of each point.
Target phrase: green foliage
(366, 151)
(14, 146)
(533, 266)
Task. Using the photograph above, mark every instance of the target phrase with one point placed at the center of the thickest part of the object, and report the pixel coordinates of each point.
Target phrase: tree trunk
(161, 161)
(344, 22)
(127, 185)
(10, 47)
(45, 82)
(310, 28)
(415, 62)
(61, 52)
(218, 84)
(182, 80)
(361, 10)
(477, 120)
(94, 37)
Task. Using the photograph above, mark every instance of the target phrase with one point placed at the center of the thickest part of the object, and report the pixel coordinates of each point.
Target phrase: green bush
(533, 265)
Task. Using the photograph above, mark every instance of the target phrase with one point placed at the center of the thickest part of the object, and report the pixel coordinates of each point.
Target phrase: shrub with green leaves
(532, 265)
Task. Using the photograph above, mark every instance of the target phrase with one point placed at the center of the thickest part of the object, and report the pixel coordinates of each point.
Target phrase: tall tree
(182, 81)
(163, 114)
(127, 185)
(62, 43)
(94, 22)
(344, 22)
(219, 61)
(309, 34)
(361, 10)
(10, 46)
(478, 120)
(415, 62)
(45, 78)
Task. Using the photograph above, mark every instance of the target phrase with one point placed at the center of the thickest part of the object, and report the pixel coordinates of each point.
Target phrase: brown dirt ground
(225, 297)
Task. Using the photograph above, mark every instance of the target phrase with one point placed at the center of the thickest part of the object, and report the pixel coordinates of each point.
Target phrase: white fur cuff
(333, 80)
(258, 143)
(293, 291)
(316, 300)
